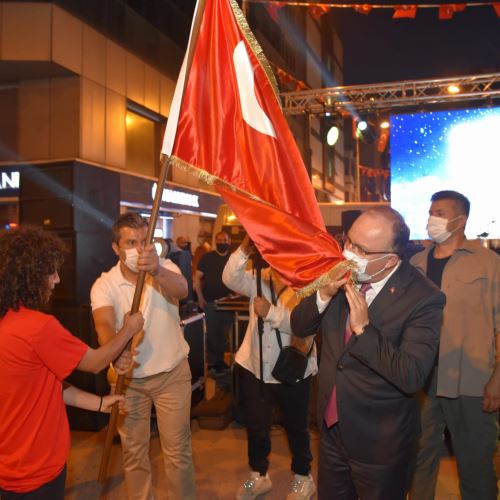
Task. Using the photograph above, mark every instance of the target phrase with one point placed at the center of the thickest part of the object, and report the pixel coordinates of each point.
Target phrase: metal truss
(383, 96)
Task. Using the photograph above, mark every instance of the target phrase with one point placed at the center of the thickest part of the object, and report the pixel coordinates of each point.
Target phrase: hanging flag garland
(401, 11)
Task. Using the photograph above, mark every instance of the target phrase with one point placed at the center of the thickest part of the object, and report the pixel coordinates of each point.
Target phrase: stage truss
(373, 98)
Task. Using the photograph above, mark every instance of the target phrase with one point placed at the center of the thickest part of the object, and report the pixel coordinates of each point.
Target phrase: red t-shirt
(36, 354)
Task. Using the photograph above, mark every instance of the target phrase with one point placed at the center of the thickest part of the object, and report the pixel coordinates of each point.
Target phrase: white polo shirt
(162, 345)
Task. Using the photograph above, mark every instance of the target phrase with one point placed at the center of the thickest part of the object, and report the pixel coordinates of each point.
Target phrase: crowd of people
(406, 349)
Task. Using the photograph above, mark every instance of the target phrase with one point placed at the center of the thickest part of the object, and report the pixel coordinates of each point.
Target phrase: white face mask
(359, 273)
(131, 257)
(437, 228)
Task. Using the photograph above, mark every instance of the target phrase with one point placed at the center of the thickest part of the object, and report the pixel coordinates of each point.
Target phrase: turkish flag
(226, 126)
(447, 11)
(273, 10)
(363, 8)
(316, 11)
(405, 11)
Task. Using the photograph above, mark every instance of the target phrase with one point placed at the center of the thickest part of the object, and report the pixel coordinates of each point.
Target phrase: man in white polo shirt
(161, 374)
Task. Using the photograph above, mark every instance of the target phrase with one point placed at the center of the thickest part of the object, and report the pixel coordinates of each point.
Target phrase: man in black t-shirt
(209, 287)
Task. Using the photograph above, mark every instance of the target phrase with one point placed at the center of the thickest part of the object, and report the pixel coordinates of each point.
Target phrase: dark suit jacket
(377, 372)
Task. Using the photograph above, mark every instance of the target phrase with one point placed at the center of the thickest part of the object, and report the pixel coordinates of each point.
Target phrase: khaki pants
(170, 392)
(473, 437)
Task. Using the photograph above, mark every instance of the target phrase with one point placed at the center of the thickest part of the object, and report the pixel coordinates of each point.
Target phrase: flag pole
(120, 383)
(162, 179)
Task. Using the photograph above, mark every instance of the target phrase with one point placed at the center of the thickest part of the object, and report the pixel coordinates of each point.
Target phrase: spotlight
(362, 125)
(333, 135)
(453, 89)
(384, 124)
(364, 130)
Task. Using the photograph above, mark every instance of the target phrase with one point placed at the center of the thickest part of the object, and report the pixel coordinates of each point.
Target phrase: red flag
(363, 8)
(405, 11)
(382, 140)
(496, 6)
(316, 11)
(273, 10)
(447, 11)
(228, 128)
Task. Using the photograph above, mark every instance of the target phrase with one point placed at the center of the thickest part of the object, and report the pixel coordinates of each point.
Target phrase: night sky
(378, 48)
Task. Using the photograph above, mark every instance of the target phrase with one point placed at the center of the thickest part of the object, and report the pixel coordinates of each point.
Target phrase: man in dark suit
(377, 351)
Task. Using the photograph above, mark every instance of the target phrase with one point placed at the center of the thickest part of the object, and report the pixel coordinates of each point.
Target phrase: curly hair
(28, 256)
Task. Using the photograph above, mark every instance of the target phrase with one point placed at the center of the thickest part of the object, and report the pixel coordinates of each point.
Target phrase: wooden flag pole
(120, 383)
(165, 166)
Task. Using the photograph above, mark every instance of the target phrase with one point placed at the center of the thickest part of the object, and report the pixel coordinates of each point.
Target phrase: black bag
(291, 365)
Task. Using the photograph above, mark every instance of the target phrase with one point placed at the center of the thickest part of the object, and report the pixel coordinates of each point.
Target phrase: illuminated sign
(9, 180)
(177, 197)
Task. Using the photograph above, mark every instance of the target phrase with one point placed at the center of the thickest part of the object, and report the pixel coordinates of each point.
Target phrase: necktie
(331, 415)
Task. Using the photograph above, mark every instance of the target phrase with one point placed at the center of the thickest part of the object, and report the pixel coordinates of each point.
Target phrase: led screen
(457, 150)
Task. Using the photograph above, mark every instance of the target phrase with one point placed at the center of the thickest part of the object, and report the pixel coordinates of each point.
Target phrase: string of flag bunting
(287, 79)
(374, 172)
(401, 11)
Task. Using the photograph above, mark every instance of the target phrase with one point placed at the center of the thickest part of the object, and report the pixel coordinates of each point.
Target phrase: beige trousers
(170, 392)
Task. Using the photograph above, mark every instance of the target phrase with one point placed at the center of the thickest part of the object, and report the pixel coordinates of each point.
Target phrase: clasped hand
(358, 308)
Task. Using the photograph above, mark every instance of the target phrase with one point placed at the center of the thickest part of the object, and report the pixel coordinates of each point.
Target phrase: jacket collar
(392, 291)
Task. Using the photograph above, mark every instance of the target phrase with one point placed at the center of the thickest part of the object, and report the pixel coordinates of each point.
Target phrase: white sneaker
(302, 488)
(254, 486)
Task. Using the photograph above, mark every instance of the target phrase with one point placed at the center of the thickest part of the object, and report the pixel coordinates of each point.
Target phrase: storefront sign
(9, 182)
(177, 197)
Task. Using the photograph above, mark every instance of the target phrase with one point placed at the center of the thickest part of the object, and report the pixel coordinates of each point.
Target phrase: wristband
(100, 405)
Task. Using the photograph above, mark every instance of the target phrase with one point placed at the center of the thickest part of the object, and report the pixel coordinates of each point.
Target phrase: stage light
(384, 124)
(453, 89)
(362, 125)
(365, 131)
(333, 135)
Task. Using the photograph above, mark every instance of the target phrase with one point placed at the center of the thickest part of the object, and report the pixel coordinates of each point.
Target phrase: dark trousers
(342, 478)
(219, 324)
(53, 490)
(258, 405)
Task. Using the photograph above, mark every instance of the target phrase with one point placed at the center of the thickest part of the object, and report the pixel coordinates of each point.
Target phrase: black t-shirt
(211, 265)
(435, 268)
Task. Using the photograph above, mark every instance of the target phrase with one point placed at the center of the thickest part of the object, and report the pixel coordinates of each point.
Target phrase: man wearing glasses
(380, 335)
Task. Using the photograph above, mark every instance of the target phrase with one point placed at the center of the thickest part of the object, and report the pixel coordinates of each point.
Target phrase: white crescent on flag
(253, 114)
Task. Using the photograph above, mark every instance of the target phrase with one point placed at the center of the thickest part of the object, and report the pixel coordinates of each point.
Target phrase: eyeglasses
(349, 245)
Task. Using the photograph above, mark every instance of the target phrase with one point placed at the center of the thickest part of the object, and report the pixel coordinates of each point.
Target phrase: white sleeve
(279, 317)
(321, 303)
(168, 264)
(100, 295)
(234, 275)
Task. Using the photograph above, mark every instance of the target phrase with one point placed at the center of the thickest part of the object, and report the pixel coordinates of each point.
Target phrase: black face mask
(222, 247)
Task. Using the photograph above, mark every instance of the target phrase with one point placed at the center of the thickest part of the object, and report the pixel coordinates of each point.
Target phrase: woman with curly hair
(36, 354)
